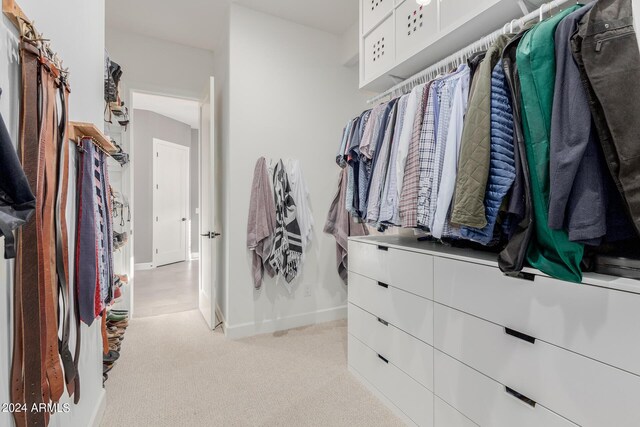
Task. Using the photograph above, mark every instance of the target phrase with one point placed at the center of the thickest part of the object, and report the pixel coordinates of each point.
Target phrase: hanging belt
(28, 385)
(62, 241)
(49, 284)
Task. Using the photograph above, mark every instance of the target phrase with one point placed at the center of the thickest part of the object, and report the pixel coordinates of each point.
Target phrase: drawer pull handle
(383, 285)
(384, 322)
(521, 397)
(383, 248)
(525, 276)
(520, 335)
(384, 359)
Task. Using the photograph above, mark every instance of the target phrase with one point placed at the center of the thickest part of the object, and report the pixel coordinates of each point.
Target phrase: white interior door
(207, 293)
(170, 202)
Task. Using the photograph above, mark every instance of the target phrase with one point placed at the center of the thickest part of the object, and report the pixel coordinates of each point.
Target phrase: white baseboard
(98, 414)
(269, 326)
(144, 266)
(195, 255)
(397, 411)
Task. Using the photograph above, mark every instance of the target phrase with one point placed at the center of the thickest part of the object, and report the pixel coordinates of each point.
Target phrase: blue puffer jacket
(502, 170)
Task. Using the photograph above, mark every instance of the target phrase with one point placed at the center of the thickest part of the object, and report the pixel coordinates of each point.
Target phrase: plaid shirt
(407, 210)
(427, 153)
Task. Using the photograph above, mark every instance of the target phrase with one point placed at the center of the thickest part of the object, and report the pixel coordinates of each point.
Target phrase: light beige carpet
(174, 372)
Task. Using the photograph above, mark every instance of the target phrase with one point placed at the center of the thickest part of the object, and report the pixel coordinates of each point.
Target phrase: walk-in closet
(320, 213)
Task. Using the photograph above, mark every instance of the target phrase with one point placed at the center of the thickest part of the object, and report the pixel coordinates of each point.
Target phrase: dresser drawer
(583, 390)
(447, 416)
(411, 355)
(409, 271)
(408, 395)
(485, 401)
(408, 312)
(596, 322)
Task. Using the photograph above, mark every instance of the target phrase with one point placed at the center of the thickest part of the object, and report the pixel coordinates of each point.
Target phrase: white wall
(222, 165)
(351, 46)
(158, 66)
(289, 97)
(76, 30)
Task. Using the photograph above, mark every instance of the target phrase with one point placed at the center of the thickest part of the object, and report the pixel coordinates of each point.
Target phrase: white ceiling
(182, 110)
(201, 23)
(332, 16)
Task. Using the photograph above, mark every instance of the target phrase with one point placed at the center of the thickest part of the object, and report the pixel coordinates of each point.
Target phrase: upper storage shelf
(399, 38)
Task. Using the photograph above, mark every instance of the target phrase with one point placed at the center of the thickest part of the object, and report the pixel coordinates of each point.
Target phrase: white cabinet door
(379, 48)
(416, 28)
(374, 11)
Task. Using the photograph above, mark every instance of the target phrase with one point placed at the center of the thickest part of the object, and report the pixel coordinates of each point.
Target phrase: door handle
(211, 235)
(184, 219)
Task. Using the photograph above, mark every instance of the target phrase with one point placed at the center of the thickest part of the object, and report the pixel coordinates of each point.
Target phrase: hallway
(174, 372)
(168, 289)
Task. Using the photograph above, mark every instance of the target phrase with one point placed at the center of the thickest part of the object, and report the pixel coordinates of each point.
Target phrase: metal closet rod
(429, 73)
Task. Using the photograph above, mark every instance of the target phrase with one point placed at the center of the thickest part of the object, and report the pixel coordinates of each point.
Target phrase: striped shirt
(389, 203)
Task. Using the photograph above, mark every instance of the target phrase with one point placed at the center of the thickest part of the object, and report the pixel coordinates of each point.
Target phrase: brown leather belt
(36, 373)
(27, 377)
(49, 284)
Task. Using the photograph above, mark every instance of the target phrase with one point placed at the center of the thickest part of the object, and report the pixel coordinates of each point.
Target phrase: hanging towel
(286, 252)
(300, 194)
(340, 225)
(262, 222)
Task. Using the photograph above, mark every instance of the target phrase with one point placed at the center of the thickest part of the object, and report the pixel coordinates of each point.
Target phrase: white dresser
(445, 339)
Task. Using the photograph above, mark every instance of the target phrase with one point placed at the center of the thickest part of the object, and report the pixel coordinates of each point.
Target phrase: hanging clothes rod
(460, 56)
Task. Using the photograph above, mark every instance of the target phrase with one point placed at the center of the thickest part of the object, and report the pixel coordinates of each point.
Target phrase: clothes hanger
(548, 5)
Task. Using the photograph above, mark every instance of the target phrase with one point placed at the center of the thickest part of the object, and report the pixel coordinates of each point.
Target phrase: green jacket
(550, 251)
(475, 152)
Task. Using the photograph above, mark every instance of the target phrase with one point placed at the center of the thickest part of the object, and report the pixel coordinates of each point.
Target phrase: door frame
(187, 235)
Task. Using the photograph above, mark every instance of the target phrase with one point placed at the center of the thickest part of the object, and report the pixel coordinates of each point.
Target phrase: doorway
(170, 202)
(166, 133)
